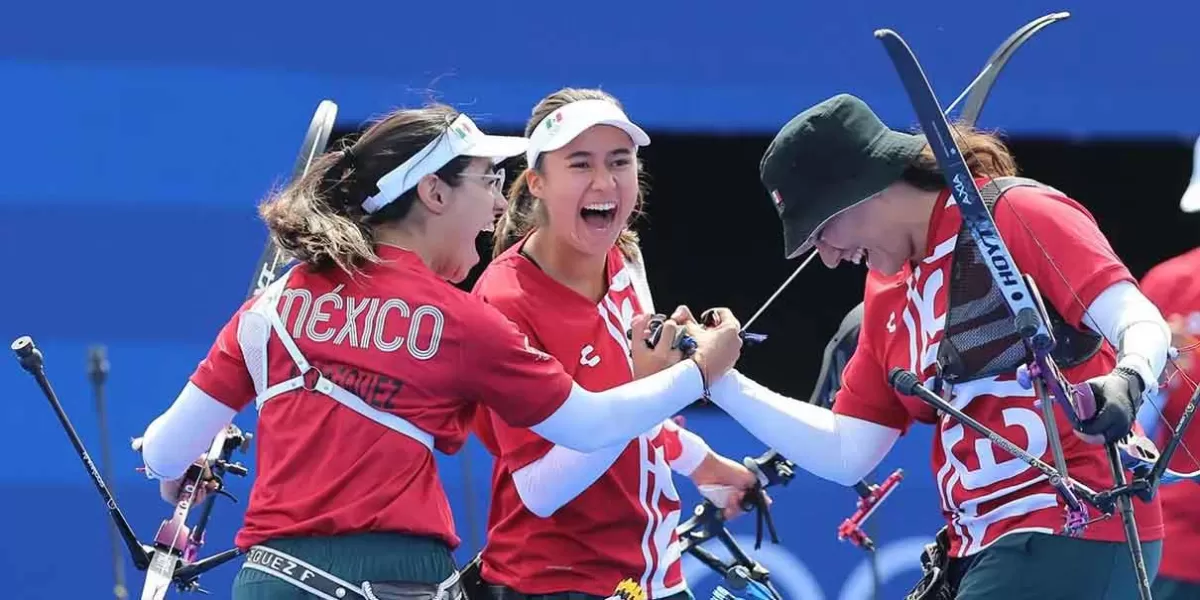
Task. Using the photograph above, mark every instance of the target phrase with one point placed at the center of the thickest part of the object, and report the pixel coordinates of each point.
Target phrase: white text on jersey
(424, 324)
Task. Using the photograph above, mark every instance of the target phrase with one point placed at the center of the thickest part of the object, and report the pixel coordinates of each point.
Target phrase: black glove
(1118, 398)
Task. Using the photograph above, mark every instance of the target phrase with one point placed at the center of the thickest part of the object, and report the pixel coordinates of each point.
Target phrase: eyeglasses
(495, 180)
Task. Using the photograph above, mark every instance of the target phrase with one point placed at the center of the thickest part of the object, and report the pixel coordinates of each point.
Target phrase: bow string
(1137, 451)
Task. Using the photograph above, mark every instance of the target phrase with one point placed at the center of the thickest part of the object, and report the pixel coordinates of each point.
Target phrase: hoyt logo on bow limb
(989, 239)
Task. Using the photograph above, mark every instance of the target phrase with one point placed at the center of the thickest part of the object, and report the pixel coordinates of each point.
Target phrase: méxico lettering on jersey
(365, 322)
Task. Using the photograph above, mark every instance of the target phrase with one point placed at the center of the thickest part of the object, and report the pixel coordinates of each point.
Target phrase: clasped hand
(718, 342)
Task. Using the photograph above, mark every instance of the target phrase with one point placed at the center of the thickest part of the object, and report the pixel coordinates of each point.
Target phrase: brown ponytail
(985, 153)
(309, 225)
(319, 219)
(525, 212)
(519, 218)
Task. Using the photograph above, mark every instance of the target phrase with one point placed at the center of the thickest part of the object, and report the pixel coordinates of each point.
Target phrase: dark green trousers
(1053, 567)
(1165, 588)
(374, 557)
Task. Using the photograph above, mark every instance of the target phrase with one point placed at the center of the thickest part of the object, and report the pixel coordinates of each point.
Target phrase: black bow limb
(172, 558)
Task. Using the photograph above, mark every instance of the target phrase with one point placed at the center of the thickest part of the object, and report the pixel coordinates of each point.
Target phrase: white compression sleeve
(588, 421)
(835, 447)
(1135, 327)
(548, 483)
(182, 434)
(693, 451)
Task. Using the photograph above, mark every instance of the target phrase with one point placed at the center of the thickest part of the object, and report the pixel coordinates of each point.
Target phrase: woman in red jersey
(567, 270)
(846, 184)
(362, 360)
(1174, 286)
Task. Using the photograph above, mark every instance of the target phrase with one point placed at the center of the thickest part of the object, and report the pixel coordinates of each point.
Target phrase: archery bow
(976, 94)
(320, 128)
(982, 85)
(180, 543)
(871, 496)
(1031, 323)
(174, 554)
(171, 558)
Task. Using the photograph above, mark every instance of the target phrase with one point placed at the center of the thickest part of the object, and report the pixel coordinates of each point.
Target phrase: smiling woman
(583, 182)
(566, 524)
(362, 360)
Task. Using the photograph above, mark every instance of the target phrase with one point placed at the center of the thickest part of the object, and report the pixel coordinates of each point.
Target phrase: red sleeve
(223, 374)
(522, 384)
(1057, 242)
(1157, 285)
(865, 393)
(518, 446)
(481, 425)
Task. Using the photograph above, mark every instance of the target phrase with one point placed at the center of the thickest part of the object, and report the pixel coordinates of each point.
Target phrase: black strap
(1074, 345)
(837, 353)
(758, 499)
(979, 339)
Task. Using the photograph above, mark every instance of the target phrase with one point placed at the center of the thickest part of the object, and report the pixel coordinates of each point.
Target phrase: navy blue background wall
(140, 137)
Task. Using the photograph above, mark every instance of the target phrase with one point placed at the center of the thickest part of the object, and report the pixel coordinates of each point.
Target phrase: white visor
(1191, 196)
(462, 138)
(563, 125)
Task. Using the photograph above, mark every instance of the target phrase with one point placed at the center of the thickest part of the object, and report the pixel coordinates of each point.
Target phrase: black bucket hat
(828, 159)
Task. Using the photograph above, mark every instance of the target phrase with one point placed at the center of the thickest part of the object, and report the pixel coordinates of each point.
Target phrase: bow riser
(169, 559)
(180, 544)
(707, 523)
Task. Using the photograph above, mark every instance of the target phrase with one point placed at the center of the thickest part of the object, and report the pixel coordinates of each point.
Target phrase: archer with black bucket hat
(828, 159)
(852, 188)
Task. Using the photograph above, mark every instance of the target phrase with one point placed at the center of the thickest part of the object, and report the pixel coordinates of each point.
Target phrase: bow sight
(173, 558)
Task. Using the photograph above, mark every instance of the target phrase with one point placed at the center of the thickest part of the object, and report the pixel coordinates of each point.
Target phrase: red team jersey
(623, 525)
(1174, 287)
(405, 342)
(985, 492)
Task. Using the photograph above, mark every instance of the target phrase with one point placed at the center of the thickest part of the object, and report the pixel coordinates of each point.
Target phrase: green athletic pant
(1052, 567)
(1165, 588)
(371, 557)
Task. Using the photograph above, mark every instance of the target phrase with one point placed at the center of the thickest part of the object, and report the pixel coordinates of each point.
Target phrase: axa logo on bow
(960, 190)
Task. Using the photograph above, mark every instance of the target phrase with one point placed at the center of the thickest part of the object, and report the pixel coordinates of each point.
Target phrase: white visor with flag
(462, 138)
(1191, 196)
(563, 125)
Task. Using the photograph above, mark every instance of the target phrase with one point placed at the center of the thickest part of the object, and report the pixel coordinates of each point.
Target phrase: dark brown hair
(525, 211)
(319, 219)
(985, 153)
